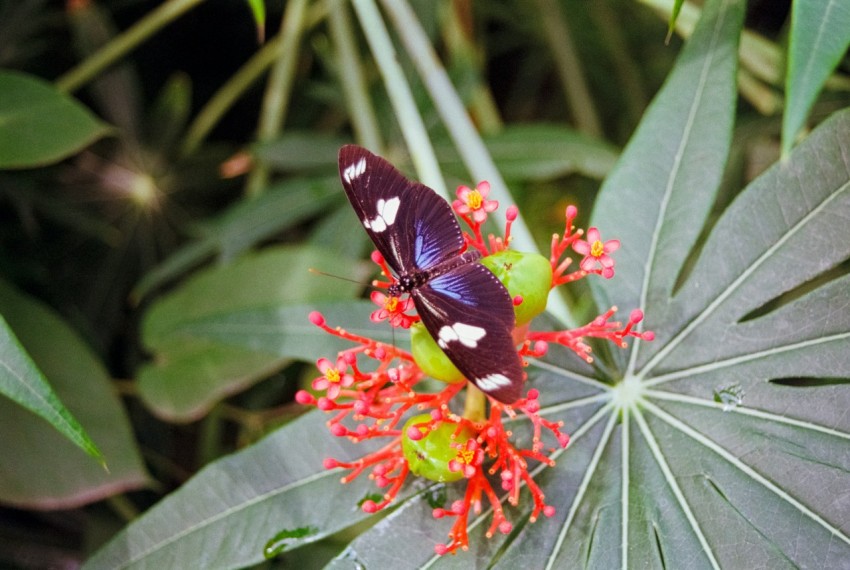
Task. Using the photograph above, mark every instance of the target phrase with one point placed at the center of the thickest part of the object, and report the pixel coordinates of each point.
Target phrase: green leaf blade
(774, 232)
(229, 326)
(39, 125)
(670, 171)
(41, 468)
(758, 260)
(245, 224)
(23, 382)
(820, 35)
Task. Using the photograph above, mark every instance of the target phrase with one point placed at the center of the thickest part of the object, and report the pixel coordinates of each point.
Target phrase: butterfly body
(464, 306)
(408, 282)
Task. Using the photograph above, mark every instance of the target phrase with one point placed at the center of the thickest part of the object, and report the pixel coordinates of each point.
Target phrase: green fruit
(526, 274)
(430, 358)
(429, 457)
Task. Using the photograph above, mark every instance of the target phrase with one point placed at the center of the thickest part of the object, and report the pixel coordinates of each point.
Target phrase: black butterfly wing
(469, 313)
(409, 223)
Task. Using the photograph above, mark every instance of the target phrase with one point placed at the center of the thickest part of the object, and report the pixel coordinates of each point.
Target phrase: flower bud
(430, 455)
(528, 275)
(430, 358)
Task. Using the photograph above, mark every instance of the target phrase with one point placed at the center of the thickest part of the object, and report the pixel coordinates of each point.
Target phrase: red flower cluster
(371, 396)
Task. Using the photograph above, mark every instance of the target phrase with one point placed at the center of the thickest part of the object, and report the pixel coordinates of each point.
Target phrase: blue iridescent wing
(469, 313)
(411, 226)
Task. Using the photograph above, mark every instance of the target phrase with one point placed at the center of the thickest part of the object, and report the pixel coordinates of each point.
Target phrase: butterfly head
(407, 283)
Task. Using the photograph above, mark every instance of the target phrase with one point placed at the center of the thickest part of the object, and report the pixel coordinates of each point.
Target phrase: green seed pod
(526, 274)
(430, 358)
(429, 457)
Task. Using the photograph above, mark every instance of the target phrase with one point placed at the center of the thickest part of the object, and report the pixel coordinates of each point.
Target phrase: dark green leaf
(658, 474)
(671, 169)
(279, 542)
(244, 225)
(229, 326)
(41, 468)
(23, 383)
(40, 125)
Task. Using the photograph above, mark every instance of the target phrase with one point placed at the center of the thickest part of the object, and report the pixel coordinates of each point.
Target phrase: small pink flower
(474, 202)
(595, 250)
(333, 379)
(392, 309)
(468, 458)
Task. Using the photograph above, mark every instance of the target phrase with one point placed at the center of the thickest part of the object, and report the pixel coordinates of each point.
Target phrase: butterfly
(463, 305)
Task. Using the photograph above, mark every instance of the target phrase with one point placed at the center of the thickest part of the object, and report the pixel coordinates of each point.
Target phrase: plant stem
(209, 436)
(360, 110)
(458, 34)
(404, 105)
(124, 43)
(475, 406)
(276, 100)
(625, 66)
(227, 94)
(568, 66)
(123, 506)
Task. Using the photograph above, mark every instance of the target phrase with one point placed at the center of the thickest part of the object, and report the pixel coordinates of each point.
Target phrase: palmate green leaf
(819, 38)
(39, 124)
(229, 326)
(41, 468)
(671, 168)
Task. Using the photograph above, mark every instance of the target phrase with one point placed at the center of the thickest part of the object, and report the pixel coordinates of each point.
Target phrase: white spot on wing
(352, 171)
(492, 382)
(387, 210)
(468, 335)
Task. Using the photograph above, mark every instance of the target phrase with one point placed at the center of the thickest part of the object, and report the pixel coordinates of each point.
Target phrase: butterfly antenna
(315, 271)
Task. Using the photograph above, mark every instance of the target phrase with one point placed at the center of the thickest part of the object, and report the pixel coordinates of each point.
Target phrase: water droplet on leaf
(730, 396)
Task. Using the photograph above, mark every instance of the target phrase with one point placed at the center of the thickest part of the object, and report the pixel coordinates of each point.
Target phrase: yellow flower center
(465, 456)
(474, 200)
(597, 248)
(333, 376)
(392, 304)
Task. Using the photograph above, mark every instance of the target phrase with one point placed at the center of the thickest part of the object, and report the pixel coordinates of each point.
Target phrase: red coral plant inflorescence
(372, 388)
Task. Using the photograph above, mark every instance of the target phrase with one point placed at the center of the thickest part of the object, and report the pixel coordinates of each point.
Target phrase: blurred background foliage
(206, 184)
